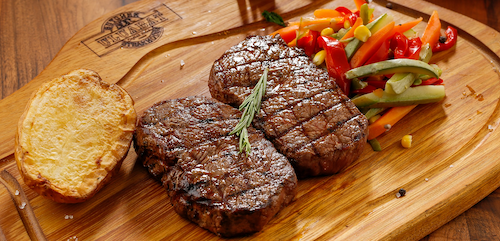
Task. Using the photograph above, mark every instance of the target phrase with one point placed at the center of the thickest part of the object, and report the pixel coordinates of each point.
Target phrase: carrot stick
(387, 120)
(371, 45)
(287, 33)
(326, 13)
(432, 30)
(401, 28)
(350, 33)
(359, 3)
(325, 21)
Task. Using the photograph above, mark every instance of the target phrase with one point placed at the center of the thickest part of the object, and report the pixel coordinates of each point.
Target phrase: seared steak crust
(304, 113)
(185, 144)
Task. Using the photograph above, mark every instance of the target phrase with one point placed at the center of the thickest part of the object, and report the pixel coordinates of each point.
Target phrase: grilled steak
(304, 113)
(185, 144)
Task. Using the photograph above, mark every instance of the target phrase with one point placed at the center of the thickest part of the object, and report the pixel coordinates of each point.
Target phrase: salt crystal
(426, 179)
(451, 166)
(194, 33)
(23, 204)
(182, 63)
(17, 193)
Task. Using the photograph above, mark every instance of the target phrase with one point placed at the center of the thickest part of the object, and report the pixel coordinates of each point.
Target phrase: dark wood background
(33, 31)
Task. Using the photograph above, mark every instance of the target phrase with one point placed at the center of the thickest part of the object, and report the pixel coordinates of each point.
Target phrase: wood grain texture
(120, 211)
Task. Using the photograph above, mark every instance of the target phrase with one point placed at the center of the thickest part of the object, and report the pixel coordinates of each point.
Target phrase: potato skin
(73, 136)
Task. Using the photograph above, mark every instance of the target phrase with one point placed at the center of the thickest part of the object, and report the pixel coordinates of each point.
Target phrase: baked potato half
(73, 136)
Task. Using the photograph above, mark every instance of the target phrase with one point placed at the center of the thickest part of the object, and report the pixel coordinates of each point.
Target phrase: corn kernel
(378, 92)
(362, 33)
(327, 31)
(319, 57)
(406, 141)
(374, 118)
(347, 24)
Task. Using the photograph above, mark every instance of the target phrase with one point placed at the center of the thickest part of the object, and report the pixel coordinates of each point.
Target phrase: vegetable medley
(383, 66)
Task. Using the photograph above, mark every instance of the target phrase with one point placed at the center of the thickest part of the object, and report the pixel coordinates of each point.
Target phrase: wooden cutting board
(452, 165)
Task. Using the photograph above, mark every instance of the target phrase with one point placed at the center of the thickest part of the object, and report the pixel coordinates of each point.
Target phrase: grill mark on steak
(304, 113)
(185, 144)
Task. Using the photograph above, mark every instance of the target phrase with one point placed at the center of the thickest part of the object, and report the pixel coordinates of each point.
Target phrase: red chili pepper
(414, 47)
(399, 45)
(451, 40)
(348, 14)
(432, 81)
(343, 10)
(353, 17)
(381, 54)
(336, 61)
(309, 42)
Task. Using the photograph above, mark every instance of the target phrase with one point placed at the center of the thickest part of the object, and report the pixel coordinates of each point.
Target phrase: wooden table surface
(32, 32)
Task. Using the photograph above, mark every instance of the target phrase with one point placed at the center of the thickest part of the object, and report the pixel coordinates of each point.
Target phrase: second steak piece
(304, 113)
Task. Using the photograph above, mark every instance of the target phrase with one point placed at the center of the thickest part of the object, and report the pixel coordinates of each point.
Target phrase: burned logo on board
(132, 29)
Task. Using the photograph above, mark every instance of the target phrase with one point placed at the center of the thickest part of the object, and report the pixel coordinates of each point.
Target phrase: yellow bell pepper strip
(432, 30)
(317, 24)
(401, 28)
(336, 61)
(326, 13)
(287, 33)
(451, 40)
(350, 33)
(372, 45)
(387, 120)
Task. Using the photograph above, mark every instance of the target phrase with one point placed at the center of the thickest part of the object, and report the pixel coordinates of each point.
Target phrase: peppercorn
(401, 193)
(442, 39)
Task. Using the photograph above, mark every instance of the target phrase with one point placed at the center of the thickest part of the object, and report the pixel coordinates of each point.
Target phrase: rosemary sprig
(250, 107)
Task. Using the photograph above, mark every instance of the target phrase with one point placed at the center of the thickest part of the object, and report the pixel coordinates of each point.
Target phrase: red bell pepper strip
(308, 42)
(381, 54)
(451, 40)
(399, 45)
(336, 61)
(414, 47)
